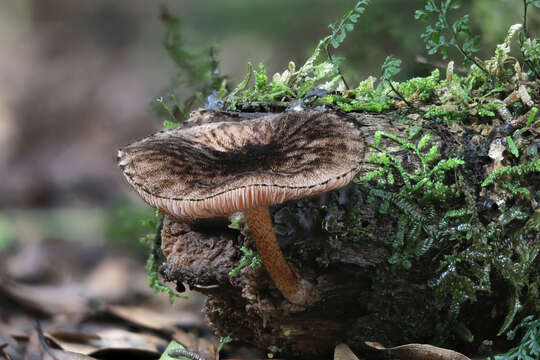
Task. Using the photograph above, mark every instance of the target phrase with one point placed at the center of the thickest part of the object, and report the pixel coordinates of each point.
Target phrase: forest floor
(58, 298)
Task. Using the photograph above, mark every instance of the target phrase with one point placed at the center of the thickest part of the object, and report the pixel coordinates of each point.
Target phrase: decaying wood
(249, 308)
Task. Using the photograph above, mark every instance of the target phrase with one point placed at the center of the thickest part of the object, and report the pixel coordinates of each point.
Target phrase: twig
(417, 110)
(401, 96)
(525, 5)
(5, 354)
(42, 340)
(338, 69)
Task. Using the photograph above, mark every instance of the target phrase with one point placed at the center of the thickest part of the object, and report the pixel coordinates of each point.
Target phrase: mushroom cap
(216, 169)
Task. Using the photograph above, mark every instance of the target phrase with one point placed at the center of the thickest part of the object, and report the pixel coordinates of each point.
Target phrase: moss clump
(250, 258)
(422, 88)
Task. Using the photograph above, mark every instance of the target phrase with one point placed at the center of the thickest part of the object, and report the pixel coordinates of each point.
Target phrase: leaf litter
(91, 309)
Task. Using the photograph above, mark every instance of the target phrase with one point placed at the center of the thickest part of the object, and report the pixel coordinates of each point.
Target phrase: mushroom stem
(287, 280)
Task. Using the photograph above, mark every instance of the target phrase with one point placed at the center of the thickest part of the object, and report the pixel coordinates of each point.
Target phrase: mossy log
(343, 240)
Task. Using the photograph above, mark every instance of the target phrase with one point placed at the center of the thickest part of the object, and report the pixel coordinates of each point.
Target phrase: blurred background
(77, 80)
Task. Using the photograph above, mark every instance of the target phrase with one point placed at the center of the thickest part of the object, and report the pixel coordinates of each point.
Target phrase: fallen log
(418, 249)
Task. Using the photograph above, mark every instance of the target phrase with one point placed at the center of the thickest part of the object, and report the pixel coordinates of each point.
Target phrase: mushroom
(220, 168)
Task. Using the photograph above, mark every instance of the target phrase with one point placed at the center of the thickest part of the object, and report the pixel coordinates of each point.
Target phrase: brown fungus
(217, 169)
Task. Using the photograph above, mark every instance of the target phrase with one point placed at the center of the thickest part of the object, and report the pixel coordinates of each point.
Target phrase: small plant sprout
(530, 121)
(222, 341)
(236, 222)
(250, 258)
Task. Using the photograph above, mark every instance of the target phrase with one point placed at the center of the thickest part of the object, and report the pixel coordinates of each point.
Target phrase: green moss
(250, 258)
(423, 87)
(365, 97)
(446, 115)
(465, 255)
(515, 173)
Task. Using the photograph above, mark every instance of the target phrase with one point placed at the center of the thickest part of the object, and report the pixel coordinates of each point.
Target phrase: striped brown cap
(220, 168)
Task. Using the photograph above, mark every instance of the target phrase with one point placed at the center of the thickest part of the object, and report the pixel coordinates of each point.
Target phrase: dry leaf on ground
(344, 352)
(419, 352)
